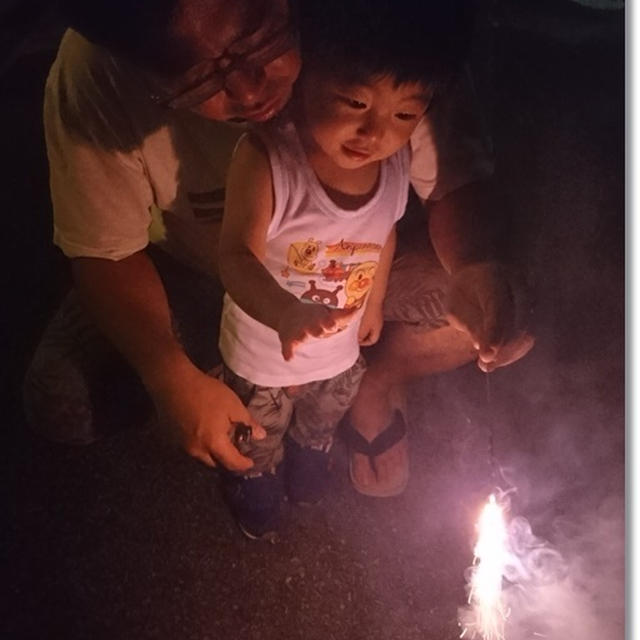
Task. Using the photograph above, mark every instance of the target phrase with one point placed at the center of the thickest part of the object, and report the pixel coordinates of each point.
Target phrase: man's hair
(424, 41)
(141, 30)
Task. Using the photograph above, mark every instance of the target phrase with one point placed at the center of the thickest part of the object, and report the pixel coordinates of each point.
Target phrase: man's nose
(245, 84)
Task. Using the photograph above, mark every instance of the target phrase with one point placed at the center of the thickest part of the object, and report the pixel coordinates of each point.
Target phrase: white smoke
(572, 589)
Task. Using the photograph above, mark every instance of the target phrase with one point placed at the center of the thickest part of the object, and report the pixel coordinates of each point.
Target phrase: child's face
(354, 125)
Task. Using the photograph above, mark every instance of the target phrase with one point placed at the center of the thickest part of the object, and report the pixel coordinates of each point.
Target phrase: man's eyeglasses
(208, 77)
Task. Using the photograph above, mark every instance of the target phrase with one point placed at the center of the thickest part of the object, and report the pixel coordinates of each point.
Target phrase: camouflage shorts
(308, 413)
(418, 284)
(416, 292)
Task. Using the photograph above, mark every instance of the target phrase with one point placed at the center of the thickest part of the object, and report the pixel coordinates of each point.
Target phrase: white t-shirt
(124, 171)
(320, 253)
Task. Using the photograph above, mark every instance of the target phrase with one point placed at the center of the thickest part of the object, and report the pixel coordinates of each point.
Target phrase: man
(125, 136)
(137, 152)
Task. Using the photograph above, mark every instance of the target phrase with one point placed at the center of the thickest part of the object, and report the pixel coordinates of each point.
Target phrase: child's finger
(325, 325)
(287, 349)
(341, 318)
(342, 314)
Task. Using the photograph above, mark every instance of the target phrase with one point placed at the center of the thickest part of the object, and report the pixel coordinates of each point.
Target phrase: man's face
(246, 59)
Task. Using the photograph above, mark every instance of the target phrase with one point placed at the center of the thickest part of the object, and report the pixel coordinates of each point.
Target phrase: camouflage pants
(307, 413)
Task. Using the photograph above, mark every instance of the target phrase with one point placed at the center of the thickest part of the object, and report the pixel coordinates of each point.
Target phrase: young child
(309, 234)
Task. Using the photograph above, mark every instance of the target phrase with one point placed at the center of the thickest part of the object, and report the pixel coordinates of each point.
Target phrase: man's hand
(488, 302)
(200, 412)
(371, 325)
(300, 321)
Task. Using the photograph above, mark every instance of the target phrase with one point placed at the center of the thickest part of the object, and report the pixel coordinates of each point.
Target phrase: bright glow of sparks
(490, 558)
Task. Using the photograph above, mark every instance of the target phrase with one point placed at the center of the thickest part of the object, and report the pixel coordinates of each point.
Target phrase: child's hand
(300, 320)
(371, 325)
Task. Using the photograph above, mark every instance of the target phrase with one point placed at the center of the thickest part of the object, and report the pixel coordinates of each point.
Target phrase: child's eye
(406, 116)
(353, 104)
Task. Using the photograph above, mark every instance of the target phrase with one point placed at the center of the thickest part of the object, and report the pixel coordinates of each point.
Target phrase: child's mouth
(356, 154)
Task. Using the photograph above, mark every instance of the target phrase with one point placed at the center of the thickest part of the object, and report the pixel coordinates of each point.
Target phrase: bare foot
(390, 476)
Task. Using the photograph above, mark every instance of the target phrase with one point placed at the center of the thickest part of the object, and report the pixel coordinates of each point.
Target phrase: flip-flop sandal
(388, 438)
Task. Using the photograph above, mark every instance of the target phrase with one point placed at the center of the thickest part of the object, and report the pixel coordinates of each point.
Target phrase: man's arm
(128, 302)
(459, 229)
(487, 299)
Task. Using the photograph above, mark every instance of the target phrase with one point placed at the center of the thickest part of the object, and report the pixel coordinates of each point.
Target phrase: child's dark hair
(424, 41)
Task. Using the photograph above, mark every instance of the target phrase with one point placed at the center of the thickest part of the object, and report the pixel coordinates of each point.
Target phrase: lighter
(241, 433)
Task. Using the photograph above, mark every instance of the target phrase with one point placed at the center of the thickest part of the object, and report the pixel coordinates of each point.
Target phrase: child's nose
(371, 127)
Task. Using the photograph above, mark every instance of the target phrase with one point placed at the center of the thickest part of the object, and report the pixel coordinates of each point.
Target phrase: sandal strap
(382, 442)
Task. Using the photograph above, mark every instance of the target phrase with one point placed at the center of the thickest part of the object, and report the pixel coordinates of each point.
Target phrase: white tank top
(319, 252)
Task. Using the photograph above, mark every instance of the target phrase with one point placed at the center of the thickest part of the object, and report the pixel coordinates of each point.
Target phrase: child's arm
(248, 211)
(372, 319)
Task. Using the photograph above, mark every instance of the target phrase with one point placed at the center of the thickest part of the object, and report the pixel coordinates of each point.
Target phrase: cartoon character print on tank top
(337, 275)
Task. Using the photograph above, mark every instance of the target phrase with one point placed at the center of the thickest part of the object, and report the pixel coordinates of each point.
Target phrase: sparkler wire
(493, 462)
(487, 614)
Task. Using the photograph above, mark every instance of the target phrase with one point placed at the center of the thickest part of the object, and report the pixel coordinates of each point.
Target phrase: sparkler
(488, 612)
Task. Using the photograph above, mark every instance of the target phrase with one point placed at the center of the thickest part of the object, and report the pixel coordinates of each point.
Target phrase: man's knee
(77, 387)
(56, 403)
(63, 402)
(408, 351)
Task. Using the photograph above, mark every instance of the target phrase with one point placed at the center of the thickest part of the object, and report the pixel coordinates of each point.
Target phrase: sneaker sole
(269, 536)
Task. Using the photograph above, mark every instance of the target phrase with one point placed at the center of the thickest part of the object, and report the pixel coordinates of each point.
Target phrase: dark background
(128, 538)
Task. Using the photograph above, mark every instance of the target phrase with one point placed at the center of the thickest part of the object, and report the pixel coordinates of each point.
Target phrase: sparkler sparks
(488, 613)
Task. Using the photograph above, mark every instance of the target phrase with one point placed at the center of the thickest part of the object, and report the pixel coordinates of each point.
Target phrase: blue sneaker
(255, 502)
(306, 472)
